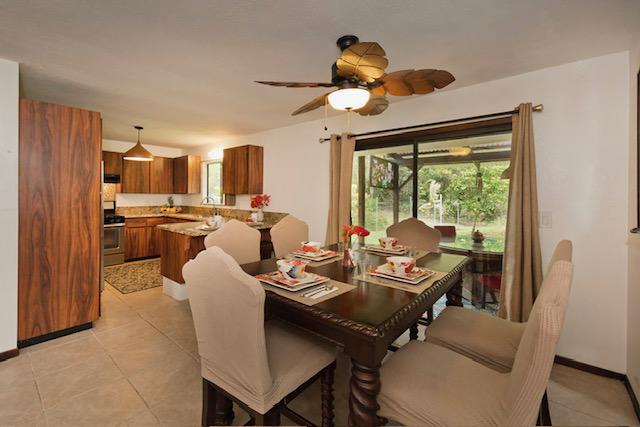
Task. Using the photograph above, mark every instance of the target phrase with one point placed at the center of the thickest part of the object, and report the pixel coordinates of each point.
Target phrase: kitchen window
(213, 183)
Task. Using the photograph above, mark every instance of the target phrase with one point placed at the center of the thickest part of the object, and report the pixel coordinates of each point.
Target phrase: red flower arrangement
(260, 201)
(353, 230)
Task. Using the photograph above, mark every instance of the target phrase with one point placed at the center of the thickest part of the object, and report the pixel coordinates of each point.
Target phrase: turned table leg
(363, 400)
(413, 332)
(454, 295)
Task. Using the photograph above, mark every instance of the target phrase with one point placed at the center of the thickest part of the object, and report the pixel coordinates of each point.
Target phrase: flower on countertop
(260, 201)
(351, 230)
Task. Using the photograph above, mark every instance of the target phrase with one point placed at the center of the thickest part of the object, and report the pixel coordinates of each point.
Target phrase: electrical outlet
(545, 219)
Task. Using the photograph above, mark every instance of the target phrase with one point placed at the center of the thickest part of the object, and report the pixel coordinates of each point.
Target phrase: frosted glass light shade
(349, 99)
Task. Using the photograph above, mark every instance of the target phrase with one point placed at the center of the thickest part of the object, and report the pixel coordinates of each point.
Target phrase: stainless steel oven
(113, 244)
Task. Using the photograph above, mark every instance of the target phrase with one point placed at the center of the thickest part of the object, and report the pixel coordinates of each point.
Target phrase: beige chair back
(238, 240)
(562, 252)
(287, 235)
(536, 352)
(415, 233)
(227, 306)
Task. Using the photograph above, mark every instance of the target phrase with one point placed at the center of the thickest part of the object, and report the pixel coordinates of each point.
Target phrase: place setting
(315, 254)
(291, 280)
(399, 272)
(390, 246)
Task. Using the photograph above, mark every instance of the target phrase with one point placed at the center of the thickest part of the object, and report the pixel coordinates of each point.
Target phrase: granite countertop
(191, 217)
(191, 228)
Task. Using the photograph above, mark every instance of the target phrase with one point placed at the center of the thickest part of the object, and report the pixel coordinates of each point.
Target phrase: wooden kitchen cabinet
(154, 235)
(136, 242)
(186, 174)
(135, 176)
(161, 175)
(242, 170)
(112, 163)
(60, 221)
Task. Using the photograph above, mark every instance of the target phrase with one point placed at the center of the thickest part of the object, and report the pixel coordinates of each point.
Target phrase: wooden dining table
(366, 320)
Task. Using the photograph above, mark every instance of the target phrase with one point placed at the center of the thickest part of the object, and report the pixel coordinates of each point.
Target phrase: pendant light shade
(138, 153)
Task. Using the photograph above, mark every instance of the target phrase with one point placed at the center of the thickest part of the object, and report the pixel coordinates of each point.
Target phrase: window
(213, 183)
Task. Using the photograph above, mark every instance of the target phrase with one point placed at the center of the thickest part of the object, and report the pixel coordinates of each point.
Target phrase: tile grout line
(581, 412)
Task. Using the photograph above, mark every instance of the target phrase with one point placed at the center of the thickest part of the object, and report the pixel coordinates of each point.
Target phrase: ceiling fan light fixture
(138, 153)
(349, 99)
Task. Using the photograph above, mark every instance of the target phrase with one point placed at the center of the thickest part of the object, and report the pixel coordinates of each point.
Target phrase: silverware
(328, 291)
(315, 291)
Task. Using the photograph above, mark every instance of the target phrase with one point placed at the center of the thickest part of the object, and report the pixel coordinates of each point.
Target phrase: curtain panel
(341, 167)
(522, 264)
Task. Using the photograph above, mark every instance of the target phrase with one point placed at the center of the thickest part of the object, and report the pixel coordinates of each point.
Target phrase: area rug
(134, 276)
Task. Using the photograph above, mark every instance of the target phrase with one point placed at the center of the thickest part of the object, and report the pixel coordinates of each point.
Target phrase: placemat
(416, 289)
(417, 253)
(297, 296)
(324, 262)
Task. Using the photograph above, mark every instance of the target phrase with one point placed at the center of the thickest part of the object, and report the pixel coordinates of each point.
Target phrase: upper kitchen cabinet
(242, 170)
(186, 174)
(161, 175)
(112, 163)
(135, 176)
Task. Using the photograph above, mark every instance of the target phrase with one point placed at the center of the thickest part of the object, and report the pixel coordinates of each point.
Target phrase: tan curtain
(342, 148)
(522, 264)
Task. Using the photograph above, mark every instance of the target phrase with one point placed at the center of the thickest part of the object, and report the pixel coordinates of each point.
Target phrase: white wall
(633, 297)
(9, 206)
(143, 199)
(582, 144)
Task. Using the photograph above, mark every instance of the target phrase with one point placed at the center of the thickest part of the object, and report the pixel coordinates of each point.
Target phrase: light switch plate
(546, 220)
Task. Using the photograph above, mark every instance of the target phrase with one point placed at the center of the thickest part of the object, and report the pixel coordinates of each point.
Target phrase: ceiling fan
(362, 84)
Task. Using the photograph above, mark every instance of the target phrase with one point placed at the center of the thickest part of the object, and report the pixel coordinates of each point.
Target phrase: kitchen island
(180, 242)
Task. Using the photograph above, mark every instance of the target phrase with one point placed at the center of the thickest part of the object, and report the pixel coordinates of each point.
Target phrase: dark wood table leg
(326, 385)
(454, 295)
(271, 418)
(363, 400)
(413, 332)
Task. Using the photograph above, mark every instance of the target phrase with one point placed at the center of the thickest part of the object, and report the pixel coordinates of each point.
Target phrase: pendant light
(138, 153)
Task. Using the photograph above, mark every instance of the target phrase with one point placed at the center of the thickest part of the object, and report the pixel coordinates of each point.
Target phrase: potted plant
(347, 232)
(258, 202)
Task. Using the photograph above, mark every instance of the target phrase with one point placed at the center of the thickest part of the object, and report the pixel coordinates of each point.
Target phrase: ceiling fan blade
(364, 60)
(395, 83)
(378, 90)
(375, 106)
(296, 84)
(425, 81)
(312, 105)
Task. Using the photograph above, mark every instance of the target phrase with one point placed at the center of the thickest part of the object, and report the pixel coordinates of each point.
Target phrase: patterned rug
(134, 276)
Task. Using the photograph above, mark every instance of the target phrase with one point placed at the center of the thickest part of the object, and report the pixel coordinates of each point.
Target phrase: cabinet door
(161, 176)
(112, 163)
(136, 242)
(240, 170)
(186, 174)
(154, 235)
(228, 171)
(254, 169)
(135, 176)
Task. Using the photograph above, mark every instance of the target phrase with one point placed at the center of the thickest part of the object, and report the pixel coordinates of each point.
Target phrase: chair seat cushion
(484, 338)
(425, 384)
(294, 358)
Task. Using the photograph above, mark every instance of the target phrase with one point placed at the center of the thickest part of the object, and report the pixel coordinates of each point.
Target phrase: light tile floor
(138, 367)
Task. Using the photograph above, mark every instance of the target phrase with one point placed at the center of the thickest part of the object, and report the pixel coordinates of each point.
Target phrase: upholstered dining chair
(258, 365)
(427, 384)
(238, 240)
(287, 235)
(415, 233)
(484, 338)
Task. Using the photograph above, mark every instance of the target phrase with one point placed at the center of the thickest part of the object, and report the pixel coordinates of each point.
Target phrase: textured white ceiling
(185, 69)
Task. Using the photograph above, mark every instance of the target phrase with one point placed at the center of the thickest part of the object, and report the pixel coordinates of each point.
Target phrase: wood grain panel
(186, 174)
(175, 250)
(254, 169)
(136, 242)
(60, 218)
(228, 171)
(135, 176)
(161, 175)
(112, 163)
(241, 169)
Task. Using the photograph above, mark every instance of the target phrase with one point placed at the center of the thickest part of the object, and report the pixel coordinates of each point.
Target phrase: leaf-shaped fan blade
(378, 90)
(310, 106)
(395, 83)
(296, 84)
(375, 106)
(364, 60)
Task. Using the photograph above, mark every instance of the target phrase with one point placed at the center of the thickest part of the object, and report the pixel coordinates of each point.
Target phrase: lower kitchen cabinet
(136, 241)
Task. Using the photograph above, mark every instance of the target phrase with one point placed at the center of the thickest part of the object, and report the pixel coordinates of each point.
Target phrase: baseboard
(603, 373)
(54, 335)
(9, 354)
(173, 289)
(560, 360)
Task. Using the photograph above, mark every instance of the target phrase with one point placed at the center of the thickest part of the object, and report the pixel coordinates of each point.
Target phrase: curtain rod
(536, 108)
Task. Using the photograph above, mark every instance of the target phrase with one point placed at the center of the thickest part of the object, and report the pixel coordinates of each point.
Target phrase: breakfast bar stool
(261, 366)
(427, 384)
(238, 240)
(288, 234)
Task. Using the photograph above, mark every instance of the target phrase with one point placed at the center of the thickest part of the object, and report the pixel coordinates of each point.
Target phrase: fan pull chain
(348, 120)
(325, 114)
